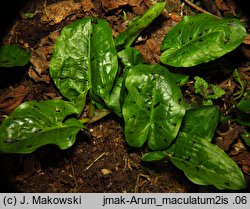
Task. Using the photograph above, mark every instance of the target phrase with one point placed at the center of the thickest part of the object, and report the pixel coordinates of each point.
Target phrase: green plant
(202, 162)
(207, 91)
(201, 38)
(149, 98)
(154, 107)
(137, 25)
(34, 124)
(13, 55)
(243, 110)
(242, 84)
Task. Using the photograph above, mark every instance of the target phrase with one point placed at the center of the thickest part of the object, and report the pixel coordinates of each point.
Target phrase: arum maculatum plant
(89, 63)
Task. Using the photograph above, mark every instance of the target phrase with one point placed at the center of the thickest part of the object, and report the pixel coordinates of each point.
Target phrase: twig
(100, 156)
(200, 9)
(73, 172)
(137, 184)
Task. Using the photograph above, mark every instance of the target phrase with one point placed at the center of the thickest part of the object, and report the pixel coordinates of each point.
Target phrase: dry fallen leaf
(12, 97)
(109, 5)
(134, 3)
(57, 12)
(87, 5)
(40, 58)
(243, 159)
(228, 6)
(36, 77)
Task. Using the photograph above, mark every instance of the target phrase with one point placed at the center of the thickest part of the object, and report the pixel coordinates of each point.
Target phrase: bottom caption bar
(125, 200)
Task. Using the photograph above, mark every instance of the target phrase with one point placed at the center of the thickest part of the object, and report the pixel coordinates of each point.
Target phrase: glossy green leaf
(115, 97)
(154, 156)
(154, 107)
(97, 114)
(130, 57)
(199, 39)
(85, 58)
(69, 65)
(201, 122)
(244, 105)
(126, 38)
(243, 118)
(13, 55)
(34, 124)
(205, 163)
(103, 60)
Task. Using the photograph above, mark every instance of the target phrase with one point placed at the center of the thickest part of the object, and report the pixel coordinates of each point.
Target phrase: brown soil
(100, 160)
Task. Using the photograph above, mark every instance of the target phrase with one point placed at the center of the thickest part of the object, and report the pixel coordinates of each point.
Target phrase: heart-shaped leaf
(201, 38)
(154, 107)
(34, 124)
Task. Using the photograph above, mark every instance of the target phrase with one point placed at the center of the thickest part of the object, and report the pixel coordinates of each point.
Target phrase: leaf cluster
(85, 64)
(207, 91)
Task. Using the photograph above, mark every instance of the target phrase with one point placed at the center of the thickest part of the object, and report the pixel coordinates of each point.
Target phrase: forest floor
(100, 160)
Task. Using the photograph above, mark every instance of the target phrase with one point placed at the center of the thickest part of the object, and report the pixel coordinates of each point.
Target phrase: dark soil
(100, 160)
